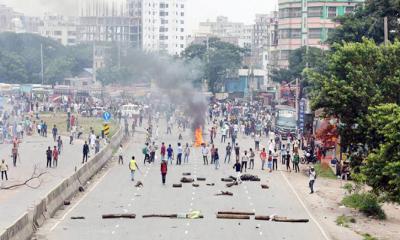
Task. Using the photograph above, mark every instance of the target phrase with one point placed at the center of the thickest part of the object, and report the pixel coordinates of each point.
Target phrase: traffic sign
(106, 129)
(106, 116)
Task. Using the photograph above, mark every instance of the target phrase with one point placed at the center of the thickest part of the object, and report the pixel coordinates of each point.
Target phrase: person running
(3, 169)
(228, 153)
(275, 157)
(186, 153)
(164, 169)
(216, 159)
(132, 167)
(14, 154)
(263, 157)
(85, 151)
(245, 159)
(55, 157)
(163, 151)
(49, 155)
(179, 152)
(312, 176)
(120, 155)
(237, 151)
(59, 145)
(252, 156)
(287, 156)
(270, 161)
(170, 153)
(238, 169)
(204, 152)
(296, 160)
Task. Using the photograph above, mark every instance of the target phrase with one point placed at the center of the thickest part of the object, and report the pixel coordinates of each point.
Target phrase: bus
(285, 120)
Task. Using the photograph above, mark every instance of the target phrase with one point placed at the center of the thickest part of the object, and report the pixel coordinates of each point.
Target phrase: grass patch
(60, 120)
(345, 221)
(368, 237)
(366, 203)
(324, 171)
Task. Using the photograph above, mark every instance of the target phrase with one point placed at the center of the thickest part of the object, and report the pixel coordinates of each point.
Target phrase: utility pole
(297, 99)
(41, 62)
(386, 30)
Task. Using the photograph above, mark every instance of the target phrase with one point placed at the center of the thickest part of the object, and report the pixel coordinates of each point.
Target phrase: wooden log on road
(196, 185)
(285, 219)
(187, 180)
(264, 186)
(177, 185)
(231, 216)
(186, 174)
(139, 184)
(227, 179)
(232, 184)
(160, 216)
(263, 218)
(125, 215)
(236, 213)
(201, 179)
(77, 218)
(210, 184)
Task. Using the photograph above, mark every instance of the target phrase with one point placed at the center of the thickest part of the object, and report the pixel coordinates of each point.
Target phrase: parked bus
(285, 120)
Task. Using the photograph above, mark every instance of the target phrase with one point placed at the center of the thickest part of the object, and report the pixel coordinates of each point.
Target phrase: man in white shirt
(204, 152)
(312, 176)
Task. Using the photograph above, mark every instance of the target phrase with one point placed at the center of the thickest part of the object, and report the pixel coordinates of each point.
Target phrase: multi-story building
(60, 28)
(307, 23)
(163, 24)
(11, 21)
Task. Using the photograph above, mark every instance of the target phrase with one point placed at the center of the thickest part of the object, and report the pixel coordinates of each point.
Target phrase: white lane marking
(305, 207)
(82, 198)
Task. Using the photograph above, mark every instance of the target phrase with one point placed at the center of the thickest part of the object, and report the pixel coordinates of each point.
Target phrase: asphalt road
(115, 193)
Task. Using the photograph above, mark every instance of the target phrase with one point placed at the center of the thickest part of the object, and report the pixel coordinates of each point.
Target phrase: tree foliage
(367, 21)
(20, 59)
(219, 59)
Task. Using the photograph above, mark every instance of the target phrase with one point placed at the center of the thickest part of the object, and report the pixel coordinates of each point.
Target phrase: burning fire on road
(198, 137)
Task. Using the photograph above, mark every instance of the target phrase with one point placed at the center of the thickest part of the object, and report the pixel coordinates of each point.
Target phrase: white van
(130, 110)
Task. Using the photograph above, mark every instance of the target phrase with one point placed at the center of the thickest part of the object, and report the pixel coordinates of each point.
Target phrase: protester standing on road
(3, 169)
(238, 170)
(55, 132)
(296, 160)
(275, 157)
(257, 142)
(145, 152)
(152, 149)
(49, 155)
(179, 154)
(270, 159)
(212, 153)
(237, 152)
(163, 151)
(312, 176)
(245, 159)
(59, 145)
(216, 159)
(228, 153)
(55, 157)
(263, 157)
(252, 156)
(85, 151)
(170, 153)
(204, 152)
(287, 156)
(14, 154)
(132, 167)
(283, 154)
(187, 153)
(164, 169)
(120, 155)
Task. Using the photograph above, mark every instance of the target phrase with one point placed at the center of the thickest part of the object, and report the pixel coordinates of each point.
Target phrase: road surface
(114, 192)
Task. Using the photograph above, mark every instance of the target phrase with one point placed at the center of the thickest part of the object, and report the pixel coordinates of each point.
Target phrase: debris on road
(227, 179)
(196, 185)
(210, 184)
(224, 193)
(187, 180)
(67, 203)
(232, 184)
(190, 215)
(280, 219)
(264, 186)
(263, 218)
(139, 184)
(76, 218)
(201, 179)
(81, 189)
(160, 216)
(186, 174)
(177, 185)
(125, 215)
(250, 177)
(232, 216)
(236, 213)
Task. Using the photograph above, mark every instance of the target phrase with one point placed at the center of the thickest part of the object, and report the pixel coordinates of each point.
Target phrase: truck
(285, 120)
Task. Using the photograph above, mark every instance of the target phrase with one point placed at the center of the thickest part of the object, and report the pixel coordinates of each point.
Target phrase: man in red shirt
(55, 156)
(163, 151)
(164, 169)
(263, 156)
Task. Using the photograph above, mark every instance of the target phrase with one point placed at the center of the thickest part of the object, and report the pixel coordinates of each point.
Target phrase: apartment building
(60, 28)
(163, 24)
(307, 23)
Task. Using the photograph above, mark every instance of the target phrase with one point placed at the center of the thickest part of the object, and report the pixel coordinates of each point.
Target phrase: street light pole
(41, 62)
(386, 30)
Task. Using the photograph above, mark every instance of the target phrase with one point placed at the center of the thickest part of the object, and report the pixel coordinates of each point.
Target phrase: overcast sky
(197, 10)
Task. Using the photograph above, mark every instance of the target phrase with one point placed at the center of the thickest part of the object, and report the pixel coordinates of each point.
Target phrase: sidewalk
(13, 203)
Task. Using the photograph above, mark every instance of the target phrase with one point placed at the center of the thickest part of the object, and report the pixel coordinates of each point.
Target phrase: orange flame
(198, 135)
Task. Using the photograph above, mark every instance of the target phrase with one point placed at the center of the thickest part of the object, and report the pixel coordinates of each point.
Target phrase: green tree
(367, 21)
(358, 76)
(219, 59)
(381, 170)
(12, 68)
